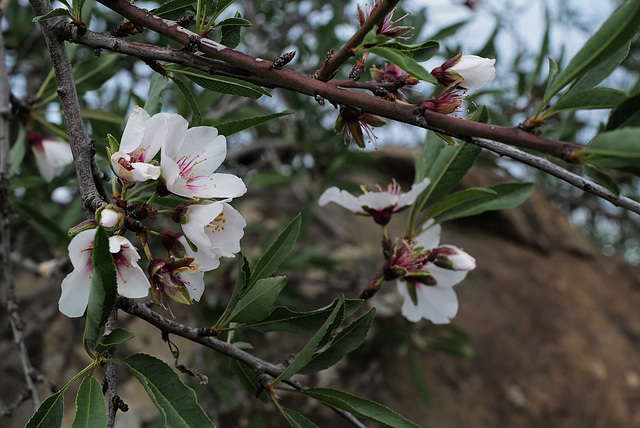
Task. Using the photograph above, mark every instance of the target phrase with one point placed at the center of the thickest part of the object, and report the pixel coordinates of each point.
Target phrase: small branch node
(283, 60)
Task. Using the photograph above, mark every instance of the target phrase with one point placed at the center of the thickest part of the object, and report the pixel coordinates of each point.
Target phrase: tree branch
(15, 319)
(203, 337)
(553, 169)
(81, 145)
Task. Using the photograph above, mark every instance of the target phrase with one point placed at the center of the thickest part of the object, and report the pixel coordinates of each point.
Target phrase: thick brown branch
(81, 145)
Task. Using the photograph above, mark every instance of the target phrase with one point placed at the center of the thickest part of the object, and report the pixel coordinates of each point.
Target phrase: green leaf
(116, 337)
(103, 115)
(17, 152)
(244, 273)
(288, 321)
(602, 70)
(602, 178)
(158, 84)
(614, 149)
(588, 99)
(224, 85)
(306, 354)
(28, 182)
(418, 378)
(455, 199)
(257, 303)
(349, 339)
(104, 286)
(222, 5)
(420, 52)
(627, 113)
(49, 414)
(508, 195)
(41, 221)
(77, 8)
(230, 34)
(616, 32)
(171, 6)
(91, 411)
(235, 21)
(235, 126)
(176, 402)
(248, 379)
(449, 31)
(55, 13)
(91, 73)
(452, 345)
(277, 252)
(296, 420)
(405, 62)
(359, 407)
(188, 96)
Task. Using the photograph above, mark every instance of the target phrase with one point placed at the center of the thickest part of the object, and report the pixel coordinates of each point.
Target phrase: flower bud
(110, 217)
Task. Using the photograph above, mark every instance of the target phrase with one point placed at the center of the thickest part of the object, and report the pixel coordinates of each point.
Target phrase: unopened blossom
(142, 139)
(467, 71)
(179, 280)
(430, 295)
(444, 103)
(188, 163)
(110, 217)
(214, 228)
(353, 122)
(386, 28)
(380, 205)
(392, 74)
(51, 156)
(132, 281)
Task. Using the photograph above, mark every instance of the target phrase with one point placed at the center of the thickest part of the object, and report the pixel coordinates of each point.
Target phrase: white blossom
(475, 71)
(51, 156)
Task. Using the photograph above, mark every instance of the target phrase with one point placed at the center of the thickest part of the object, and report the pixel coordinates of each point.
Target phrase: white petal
(217, 186)
(199, 216)
(377, 200)
(429, 238)
(154, 137)
(446, 277)
(410, 197)
(461, 260)
(340, 197)
(175, 135)
(75, 292)
(55, 156)
(133, 130)
(476, 71)
(207, 260)
(144, 171)
(435, 303)
(80, 248)
(226, 231)
(174, 182)
(109, 218)
(195, 284)
(205, 148)
(120, 171)
(132, 281)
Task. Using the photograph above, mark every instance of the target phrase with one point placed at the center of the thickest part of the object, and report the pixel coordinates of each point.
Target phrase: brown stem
(329, 67)
(81, 145)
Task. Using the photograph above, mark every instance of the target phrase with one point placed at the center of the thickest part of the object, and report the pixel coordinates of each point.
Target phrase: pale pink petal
(174, 182)
(416, 189)
(75, 292)
(53, 159)
(340, 197)
(205, 147)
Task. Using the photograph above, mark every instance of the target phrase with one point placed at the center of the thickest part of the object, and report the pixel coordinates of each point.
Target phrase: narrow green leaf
(41, 221)
(277, 252)
(91, 73)
(248, 379)
(349, 339)
(449, 30)
(508, 195)
(230, 34)
(306, 354)
(55, 13)
(405, 62)
(626, 114)
(103, 115)
(235, 21)
(225, 85)
(602, 70)
(176, 402)
(288, 321)
(188, 96)
(244, 273)
(296, 420)
(28, 182)
(616, 31)
(116, 337)
(614, 149)
(104, 286)
(49, 414)
(360, 407)
(588, 99)
(458, 198)
(91, 411)
(418, 378)
(171, 6)
(77, 8)
(18, 151)
(235, 126)
(420, 52)
(158, 84)
(222, 5)
(257, 303)
(602, 178)
(452, 345)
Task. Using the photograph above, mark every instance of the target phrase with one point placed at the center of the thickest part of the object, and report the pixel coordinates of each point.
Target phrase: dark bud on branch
(358, 70)
(185, 21)
(283, 60)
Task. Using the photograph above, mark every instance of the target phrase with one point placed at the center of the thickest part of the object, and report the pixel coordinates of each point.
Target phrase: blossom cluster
(210, 227)
(425, 270)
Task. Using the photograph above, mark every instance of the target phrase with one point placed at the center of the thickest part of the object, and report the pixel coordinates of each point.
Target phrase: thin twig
(82, 147)
(553, 169)
(203, 337)
(110, 381)
(13, 311)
